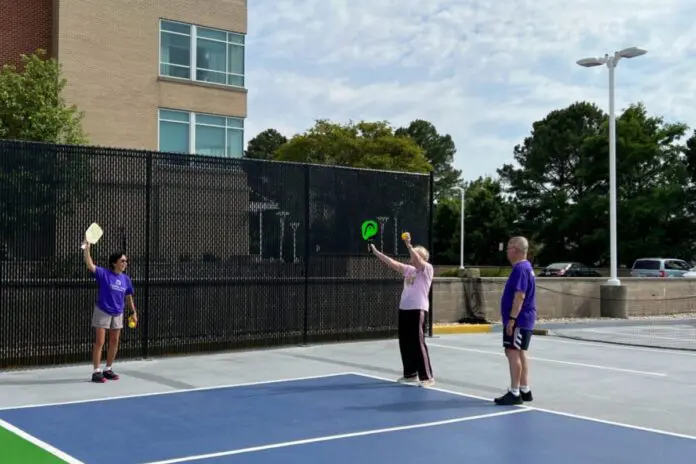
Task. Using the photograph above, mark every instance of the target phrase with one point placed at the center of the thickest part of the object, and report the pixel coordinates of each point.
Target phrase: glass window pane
(174, 115)
(237, 81)
(211, 34)
(174, 137)
(235, 122)
(210, 56)
(235, 62)
(207, 119)
(175, 50)
(235, 38)
(210, 141)
(235, 143)
(175, 27)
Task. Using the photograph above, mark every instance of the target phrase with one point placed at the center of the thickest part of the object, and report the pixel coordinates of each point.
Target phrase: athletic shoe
(526, 397)
(111, 375)
(408, 380)
(508, 399)
(427, 383)
(98, 377)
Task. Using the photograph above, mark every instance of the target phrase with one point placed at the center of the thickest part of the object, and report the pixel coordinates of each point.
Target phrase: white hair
(422, 252)
(520, 243)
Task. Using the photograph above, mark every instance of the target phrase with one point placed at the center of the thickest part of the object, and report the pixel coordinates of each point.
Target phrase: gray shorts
(106, 321)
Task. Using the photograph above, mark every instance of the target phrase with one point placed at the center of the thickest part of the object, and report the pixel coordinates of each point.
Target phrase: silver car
(660, 267)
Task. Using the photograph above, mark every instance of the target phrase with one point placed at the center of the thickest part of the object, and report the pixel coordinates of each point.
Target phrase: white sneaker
(427, 383)
(408, 380)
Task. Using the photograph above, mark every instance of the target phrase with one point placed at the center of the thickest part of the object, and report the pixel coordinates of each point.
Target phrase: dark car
(570, 269)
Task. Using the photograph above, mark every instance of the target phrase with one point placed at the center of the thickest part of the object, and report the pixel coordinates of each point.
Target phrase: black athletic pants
(414, 352)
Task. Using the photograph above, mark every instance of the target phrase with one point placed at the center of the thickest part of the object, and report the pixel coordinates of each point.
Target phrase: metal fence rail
(223, 253)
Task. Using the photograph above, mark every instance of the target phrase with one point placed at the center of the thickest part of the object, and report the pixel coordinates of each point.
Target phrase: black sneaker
(526, 397)
(508, 399)
(110, 375)
(98, 377)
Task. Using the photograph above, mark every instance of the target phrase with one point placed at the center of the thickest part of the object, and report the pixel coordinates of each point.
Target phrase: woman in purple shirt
(418, 277)
(114, 290)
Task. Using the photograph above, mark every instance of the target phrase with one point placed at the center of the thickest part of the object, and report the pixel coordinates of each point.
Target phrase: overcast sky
(482, 71)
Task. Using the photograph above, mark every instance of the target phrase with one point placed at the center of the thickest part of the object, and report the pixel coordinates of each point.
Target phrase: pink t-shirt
(416, 287)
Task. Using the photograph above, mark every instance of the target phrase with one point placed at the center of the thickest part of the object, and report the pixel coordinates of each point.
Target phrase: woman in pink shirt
(418, 277)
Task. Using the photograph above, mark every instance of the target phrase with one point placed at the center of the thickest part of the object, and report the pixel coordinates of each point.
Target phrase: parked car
(660, 267)
(569, 269)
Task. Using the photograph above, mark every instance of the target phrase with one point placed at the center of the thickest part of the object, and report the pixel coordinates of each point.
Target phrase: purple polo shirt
(112, 290)
(521, 279)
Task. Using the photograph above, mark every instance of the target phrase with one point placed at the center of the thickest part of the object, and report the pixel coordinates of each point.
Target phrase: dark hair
(113, 259)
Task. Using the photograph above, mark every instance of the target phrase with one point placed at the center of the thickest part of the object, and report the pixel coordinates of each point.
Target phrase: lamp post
(611, 62)
(461, 234)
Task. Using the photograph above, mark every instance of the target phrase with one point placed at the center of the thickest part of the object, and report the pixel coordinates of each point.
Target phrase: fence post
(305, 334)
(431, 197)
(145, 336)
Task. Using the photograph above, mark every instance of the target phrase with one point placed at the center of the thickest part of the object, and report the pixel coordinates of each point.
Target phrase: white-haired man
(518, 314)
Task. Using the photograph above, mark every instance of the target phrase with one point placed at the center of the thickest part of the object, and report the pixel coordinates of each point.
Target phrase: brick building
(156, 74)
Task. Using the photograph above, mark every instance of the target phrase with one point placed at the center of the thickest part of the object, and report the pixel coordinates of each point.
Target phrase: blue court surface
(333, 419)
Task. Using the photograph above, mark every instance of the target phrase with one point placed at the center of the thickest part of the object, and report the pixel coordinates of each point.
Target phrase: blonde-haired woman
(414, 304)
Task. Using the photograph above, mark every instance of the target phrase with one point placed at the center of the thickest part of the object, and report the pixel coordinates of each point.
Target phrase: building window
(202, 134)
(201, 54)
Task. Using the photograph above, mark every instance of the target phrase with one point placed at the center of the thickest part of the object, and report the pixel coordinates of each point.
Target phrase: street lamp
(461, 236)
(611, 62)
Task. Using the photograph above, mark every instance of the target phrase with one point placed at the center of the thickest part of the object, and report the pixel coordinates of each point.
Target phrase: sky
(481, 71)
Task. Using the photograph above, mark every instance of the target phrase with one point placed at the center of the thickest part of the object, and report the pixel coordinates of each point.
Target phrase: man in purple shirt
(114, 289)
(518, 314)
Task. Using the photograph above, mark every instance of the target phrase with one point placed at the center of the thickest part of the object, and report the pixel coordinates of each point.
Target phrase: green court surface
(17, 450)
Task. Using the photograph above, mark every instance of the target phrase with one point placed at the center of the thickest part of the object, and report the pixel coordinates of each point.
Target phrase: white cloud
(481, 71)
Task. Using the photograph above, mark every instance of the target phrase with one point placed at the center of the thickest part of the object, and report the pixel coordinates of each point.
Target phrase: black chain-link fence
(223, 253)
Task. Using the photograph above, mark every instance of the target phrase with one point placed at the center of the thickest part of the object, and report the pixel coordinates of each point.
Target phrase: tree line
(556, 192)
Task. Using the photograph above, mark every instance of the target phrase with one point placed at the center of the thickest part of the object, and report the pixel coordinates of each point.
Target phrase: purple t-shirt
(521, 279)
(112, 290)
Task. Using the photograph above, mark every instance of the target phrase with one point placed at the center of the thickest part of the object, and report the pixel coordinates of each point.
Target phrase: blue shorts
(519, 340)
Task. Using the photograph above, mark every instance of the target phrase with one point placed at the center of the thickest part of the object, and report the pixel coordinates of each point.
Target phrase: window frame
(193, 54)
(193, 124)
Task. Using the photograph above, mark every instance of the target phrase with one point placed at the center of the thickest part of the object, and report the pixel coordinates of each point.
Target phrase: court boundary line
(534, 408)
(173, 392)
(362, 433)
(614, 345)
(557, 361)
(39, 443)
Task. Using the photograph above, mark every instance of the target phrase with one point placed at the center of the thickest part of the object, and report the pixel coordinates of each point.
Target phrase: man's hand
(510, 327)
(134, 316)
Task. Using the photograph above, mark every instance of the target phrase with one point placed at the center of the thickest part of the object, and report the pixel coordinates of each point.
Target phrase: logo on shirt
(118, 286)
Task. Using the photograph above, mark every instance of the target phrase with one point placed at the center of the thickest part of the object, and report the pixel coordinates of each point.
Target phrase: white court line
(630, 334)
(548, 411)
(613, 346)
(173, 392)
(592, 366)
(41, 444)
(340, 436)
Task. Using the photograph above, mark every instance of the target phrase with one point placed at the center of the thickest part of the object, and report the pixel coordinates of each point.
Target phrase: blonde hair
(422, 252)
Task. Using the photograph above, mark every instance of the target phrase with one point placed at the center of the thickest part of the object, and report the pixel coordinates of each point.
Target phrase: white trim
(39, 443)
(338, 437)
(555, 361)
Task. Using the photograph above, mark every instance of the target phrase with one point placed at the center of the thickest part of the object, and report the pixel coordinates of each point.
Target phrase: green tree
(371, 145)
(265, 144)
(489, 218)
(561, 185)
(439, 150)
(37, 181)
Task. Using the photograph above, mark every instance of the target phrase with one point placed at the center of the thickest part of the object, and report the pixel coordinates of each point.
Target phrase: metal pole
(461, 238)
(613, 279)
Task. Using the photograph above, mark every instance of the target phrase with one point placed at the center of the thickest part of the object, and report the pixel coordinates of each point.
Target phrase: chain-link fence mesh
(223, 253)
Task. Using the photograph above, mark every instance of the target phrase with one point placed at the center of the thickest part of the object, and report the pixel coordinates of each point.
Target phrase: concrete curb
(461, 328)
(446, 329)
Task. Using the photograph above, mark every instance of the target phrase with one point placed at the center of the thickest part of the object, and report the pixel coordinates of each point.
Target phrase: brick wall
(25, 25)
